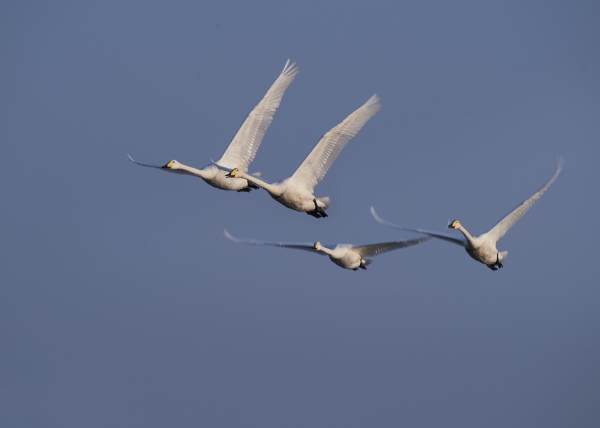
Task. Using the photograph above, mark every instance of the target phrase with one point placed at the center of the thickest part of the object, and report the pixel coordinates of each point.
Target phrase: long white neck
(205, 175)
(331, 253)
(470, 239)
(273, 189)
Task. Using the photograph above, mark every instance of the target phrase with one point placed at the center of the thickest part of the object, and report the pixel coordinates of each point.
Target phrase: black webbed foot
(245, 189)
(314, 213)
(492, 267)
(498, 262)
(319, 210)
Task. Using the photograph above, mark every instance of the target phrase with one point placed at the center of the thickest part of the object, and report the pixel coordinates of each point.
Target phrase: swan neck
(467, 234)
(260, 183)
(326, 251)
(199, 172)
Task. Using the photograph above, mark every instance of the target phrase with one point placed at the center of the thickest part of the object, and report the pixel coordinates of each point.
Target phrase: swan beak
(169, 165)
(231, 174)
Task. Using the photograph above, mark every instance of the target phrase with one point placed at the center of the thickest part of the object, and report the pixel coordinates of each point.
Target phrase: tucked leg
(498, 262)
(320, 210)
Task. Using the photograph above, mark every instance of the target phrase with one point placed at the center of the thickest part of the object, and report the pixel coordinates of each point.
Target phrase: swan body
(296, 192)
(344, 255)
(483, 247)
(245, 143)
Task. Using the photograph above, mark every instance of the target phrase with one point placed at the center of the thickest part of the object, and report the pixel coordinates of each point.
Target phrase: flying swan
(483, 247)
(296, 192)
(245, 143)
(344, 255)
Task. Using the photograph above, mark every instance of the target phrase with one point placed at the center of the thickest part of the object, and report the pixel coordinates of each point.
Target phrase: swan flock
(230, 172)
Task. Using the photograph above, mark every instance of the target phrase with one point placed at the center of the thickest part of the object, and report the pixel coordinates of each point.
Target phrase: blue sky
(124, 305)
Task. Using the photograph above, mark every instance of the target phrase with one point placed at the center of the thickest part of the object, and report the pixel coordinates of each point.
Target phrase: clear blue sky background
(123, 305)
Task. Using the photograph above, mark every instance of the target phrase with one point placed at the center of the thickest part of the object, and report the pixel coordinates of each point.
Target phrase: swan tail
(503, 255)
(323, 202)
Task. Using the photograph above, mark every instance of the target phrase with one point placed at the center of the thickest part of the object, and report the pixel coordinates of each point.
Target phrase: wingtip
(374, 102)
(130, 158)
(290, 68)
(374, 214)
(229, 235)
(561, 163)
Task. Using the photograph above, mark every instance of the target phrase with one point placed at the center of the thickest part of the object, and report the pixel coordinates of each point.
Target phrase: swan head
(317, 246)
(171, 165)
(454, 225)
(233, 173)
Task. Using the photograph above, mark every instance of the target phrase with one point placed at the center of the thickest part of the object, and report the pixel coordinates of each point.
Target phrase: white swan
(296, 192)
(483, 247)
(245, 143)
(343, 255)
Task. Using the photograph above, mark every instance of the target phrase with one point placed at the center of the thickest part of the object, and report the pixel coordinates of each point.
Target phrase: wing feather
(377, 248)
(307, 246)
(315, 166)
(500, 229)
(245, 143)
(161, 167)
(445, 236)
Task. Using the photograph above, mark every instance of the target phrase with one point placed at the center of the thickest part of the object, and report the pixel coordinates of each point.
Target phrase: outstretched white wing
(459, 240)
(307, 246)
(163, 168)
(243, 147)
(377, 248)
(315, 166)
(500, 229)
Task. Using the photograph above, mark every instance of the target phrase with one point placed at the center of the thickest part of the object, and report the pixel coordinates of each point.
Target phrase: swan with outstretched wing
(483, 247)
(242, 149)
(344, 255)
(296, 191)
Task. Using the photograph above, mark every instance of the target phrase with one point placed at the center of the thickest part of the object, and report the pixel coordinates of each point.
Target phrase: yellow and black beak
(232, 173)
(168, 166)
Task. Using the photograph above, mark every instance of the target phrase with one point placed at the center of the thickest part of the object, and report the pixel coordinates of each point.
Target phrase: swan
(296, 192)
(245, 143)
(483, 247)
(344, 255)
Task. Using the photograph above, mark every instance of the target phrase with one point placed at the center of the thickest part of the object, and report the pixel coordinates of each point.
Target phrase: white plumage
(296, 192)
(483, 247)
(344, 255)
(245, 143)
